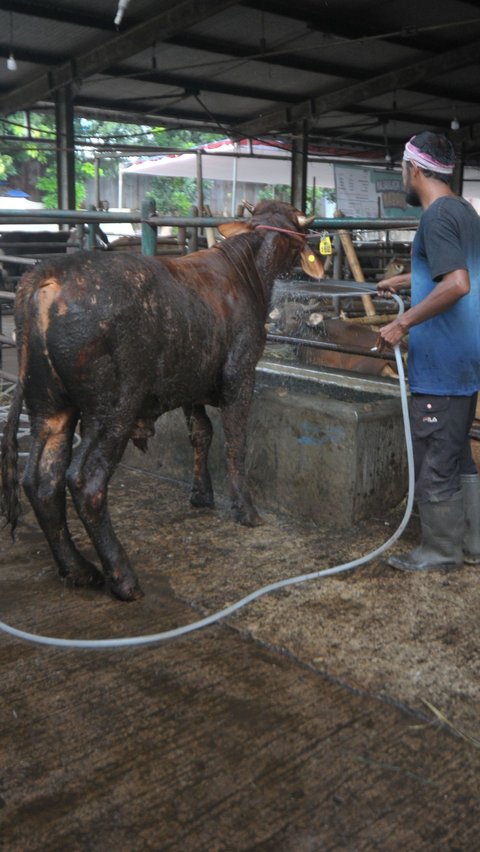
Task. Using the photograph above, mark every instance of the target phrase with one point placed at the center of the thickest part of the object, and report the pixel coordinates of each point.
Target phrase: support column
(65, 148)
(457, 177)
(299, 165)
(149, 232)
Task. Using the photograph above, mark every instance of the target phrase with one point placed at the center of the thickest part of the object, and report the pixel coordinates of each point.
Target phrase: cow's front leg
(200, 432)
(234, 419)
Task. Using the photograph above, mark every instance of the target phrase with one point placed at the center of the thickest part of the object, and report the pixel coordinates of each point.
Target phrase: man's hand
(392, 334)
(390, 285)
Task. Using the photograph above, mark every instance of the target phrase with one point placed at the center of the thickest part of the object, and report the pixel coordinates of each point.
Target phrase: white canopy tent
(236, 162)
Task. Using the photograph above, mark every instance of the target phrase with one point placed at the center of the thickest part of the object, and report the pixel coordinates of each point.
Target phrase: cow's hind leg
(200, 432)
(44, 484)
(88, 477)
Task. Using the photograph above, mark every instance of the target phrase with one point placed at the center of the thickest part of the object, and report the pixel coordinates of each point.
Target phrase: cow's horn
(248, 205)
(303, 221)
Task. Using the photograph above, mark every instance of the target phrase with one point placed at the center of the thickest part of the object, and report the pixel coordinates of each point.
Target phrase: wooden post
(355, 267)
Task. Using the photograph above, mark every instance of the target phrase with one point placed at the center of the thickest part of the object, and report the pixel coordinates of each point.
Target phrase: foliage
(178, 195)
(171, 195)
(282, 193)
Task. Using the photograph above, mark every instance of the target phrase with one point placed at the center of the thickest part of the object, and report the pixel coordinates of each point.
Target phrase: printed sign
(370, 193)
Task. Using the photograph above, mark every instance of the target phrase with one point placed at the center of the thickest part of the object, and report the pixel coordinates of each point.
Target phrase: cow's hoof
(201, 500)
(248, 517)
(85, 575)
(126, 589)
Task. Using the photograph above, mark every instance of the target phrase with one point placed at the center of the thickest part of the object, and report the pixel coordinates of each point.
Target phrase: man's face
(411, 194)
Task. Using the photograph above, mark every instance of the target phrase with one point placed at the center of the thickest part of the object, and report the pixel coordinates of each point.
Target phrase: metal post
(149, 232)
(120, 187)
(199, 183)
(193, 242)
(96, 163)
(91, 241)
(234, 183)
(457, 177)
(65, 148)
(299, 165)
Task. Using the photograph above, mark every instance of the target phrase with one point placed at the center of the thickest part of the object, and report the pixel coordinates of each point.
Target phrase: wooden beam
(402, 78)
(130, 42)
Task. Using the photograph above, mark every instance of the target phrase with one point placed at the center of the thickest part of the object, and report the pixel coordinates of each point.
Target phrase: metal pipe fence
(89, 221)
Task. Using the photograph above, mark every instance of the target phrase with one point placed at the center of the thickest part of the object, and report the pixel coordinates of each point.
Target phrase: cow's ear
(231, 229)
(311, 263)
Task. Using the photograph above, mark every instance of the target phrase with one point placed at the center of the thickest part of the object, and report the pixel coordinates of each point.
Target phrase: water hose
(164, 636)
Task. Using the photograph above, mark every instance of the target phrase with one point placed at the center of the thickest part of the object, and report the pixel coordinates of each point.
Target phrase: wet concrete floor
(296, 725)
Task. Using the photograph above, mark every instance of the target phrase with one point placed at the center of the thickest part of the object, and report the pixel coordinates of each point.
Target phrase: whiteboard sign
(364, 193)
(355, 192)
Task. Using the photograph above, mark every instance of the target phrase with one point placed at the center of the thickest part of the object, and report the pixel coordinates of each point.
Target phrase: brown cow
(341, 333)
(114, 340)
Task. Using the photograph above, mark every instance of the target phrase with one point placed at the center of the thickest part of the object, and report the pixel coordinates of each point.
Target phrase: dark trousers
(441, 446)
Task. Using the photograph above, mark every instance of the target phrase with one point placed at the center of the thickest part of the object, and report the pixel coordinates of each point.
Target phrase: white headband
(415, 155)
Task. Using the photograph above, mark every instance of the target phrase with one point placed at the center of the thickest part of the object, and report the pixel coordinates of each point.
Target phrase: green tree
(282, 192)
(15, 153)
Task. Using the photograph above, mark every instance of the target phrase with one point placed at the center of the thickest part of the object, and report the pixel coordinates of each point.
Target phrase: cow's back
(89, 323)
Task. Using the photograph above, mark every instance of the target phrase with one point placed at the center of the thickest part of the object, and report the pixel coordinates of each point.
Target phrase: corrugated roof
(356, 73)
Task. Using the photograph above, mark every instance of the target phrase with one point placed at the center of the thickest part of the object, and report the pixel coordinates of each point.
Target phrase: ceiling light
(455, 124)
(122, 5)
(11, 61)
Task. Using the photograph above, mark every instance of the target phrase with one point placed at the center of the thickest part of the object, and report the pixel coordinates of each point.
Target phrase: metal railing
(88, 223)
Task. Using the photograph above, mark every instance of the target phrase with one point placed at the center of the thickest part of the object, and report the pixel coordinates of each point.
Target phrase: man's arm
(449, 290)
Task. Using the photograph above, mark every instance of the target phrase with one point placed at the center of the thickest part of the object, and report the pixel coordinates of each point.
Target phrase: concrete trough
(322, 446)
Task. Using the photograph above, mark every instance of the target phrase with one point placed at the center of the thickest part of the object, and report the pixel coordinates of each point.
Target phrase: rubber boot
(471, 505)
(442, 527)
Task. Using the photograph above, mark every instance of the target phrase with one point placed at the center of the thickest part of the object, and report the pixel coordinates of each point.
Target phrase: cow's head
(285, 219)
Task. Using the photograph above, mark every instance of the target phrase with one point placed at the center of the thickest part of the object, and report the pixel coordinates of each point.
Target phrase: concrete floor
(302, 723)
(297, 725)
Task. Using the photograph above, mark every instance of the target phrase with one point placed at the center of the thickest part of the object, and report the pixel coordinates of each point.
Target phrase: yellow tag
(311, 258)
(325, 245)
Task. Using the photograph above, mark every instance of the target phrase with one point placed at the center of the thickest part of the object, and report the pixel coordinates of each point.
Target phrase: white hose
(153, 638)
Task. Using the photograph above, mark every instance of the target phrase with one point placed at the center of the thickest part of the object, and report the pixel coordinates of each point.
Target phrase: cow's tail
(9, 490)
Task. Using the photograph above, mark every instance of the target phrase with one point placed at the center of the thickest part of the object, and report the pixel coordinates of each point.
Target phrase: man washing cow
(443, 358)
(111, 343)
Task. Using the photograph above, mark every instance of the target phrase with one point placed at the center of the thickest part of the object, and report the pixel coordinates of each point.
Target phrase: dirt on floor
(339, 713)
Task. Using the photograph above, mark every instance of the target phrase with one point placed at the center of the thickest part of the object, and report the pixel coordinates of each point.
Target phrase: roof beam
(167, 115)
(130, 42)
(299, 63)
(51, 12)
(353, 27)
(202, 84)
(402, 78)
(287, 59)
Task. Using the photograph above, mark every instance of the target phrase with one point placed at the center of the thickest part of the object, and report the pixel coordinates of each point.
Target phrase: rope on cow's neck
(286, 231)
(131, 641)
